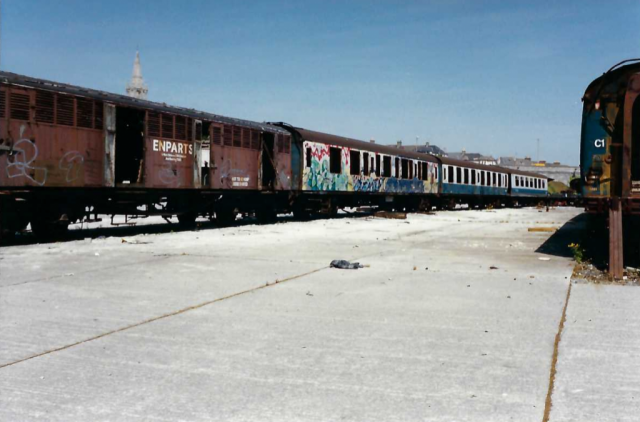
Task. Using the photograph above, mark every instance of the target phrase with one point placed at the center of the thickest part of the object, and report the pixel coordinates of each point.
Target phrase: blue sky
(488, 76)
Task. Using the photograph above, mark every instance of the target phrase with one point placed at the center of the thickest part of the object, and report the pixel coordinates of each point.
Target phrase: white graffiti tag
(24, 154)
(169, 175)
(71, 162)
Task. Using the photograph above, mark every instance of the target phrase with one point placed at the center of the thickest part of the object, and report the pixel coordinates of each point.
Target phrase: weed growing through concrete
(578, 252)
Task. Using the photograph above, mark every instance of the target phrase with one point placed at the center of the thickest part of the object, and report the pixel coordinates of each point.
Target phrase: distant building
(427, 148)
(136, 88)
(557, 171)
(475, 157)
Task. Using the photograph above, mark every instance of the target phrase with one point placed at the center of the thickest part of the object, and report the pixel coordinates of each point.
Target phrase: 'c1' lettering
(599, 143)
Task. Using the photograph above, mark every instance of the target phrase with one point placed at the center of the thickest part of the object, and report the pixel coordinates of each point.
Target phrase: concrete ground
(454, 319)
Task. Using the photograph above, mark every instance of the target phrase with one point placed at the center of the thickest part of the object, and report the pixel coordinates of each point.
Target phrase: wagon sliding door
(110, 145)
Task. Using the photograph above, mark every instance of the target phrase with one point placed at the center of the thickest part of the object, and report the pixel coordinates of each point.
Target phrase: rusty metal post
(615, 239)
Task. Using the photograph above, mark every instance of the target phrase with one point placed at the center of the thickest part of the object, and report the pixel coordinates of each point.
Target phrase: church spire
(137, 88)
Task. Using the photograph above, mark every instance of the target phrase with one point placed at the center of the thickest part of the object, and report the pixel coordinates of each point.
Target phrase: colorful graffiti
(318, 176)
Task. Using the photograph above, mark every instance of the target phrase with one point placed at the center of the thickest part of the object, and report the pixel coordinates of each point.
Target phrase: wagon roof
(470, 164)
(497, 169)
(124, 100)
(326, 138)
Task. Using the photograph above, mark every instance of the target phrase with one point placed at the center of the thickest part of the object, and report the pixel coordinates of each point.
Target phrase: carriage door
(267, 159)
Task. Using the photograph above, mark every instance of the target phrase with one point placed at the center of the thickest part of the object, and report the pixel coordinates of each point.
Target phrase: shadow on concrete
(571, 232)
(77, 233)
(589, 232)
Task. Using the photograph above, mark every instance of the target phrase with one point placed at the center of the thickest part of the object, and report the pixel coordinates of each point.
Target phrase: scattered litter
(493, 268)
(508, 297)
(133, 241)
(97, 254)
(345, 265)
(309, 294)
(415, 268)
(427, 268)
(543, 229)
(389, 214)
(544, 259)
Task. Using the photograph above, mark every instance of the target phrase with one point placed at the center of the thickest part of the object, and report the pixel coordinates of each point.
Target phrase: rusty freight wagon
(67, 153)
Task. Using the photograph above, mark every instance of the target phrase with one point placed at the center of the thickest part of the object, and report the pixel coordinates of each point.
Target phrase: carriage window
(425, 171)
(466, 176)
(354, 158)
(517, 181)
(406, 169)
(335, 160)
(482, 175)
(378, 168)
(386, 170)
(494, 179)
(308, 157)
(365, 161)
(473, 177)
(459, 175)
(397, 168)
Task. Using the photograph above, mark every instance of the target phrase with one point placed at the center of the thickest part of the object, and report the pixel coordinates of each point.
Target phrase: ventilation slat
(228, 136)
(3, 102)
(153, 123)
(198, 132)
(19, 106)
(64, 106)
(237, 141)
(189, 129)
(181, 128)
(84, 113)
(217, 135)
(99, 114)
(255, 139)
(246, 138)
(167, 126)
(45, 102)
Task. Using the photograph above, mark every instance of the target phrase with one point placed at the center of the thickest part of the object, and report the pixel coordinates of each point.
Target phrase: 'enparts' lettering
(172, 147)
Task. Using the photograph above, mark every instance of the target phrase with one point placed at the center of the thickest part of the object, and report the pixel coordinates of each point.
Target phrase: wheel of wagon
(45, 226)
(266, 215)
(187, 220)
(225, 216)
(301, 214)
